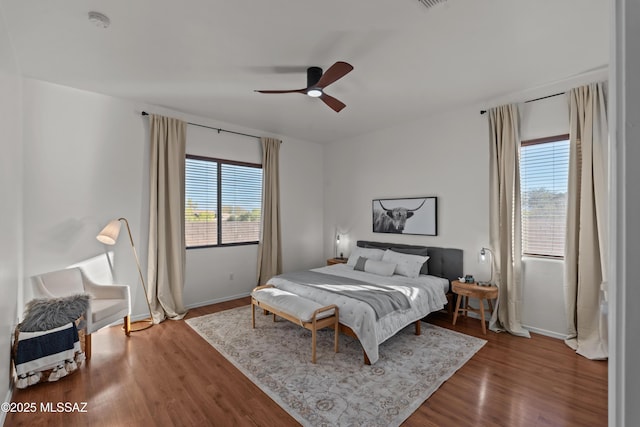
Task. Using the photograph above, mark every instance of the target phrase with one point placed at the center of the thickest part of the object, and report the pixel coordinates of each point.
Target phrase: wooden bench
(296, 309)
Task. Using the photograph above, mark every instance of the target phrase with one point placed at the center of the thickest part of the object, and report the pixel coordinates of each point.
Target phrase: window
(544, 172)
(226, 190)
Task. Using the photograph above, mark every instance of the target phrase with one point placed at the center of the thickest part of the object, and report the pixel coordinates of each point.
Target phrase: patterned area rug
(339, 390)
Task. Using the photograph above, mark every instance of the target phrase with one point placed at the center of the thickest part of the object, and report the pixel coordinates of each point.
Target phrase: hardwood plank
(168, 375)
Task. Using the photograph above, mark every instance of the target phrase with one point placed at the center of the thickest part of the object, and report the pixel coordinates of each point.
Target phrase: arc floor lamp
(109, 236)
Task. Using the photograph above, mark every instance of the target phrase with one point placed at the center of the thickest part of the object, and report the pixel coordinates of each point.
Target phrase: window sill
(536, 258)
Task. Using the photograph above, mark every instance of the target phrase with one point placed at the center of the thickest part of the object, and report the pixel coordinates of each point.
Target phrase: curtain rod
(532, 100)
(144, 113)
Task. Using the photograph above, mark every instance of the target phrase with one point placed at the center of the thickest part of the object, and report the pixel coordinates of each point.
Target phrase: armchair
(108, 303)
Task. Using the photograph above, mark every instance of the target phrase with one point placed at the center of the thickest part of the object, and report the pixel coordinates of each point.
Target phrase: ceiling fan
(316, 82)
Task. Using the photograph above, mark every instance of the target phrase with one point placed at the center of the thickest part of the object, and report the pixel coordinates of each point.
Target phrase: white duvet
(426, 294)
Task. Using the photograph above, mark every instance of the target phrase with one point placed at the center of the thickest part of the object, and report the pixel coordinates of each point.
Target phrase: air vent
(431, 3)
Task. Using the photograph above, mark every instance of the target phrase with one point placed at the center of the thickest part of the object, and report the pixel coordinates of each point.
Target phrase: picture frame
(409, 215)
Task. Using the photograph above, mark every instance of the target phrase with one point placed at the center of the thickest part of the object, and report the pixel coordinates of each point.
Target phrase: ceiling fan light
(314, 93)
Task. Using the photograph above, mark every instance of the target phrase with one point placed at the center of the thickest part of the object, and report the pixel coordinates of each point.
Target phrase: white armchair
(108, 303)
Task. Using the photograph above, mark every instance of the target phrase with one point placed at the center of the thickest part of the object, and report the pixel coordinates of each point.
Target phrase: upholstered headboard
(443, 262)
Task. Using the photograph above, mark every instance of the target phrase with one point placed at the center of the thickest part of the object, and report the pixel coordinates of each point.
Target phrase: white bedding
(426, 294)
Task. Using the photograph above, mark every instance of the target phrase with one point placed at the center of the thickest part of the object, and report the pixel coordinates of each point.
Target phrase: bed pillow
(416, 251)
(359, 265)
(412, 251)
(407, 265)
(374, 254)
(381, 268)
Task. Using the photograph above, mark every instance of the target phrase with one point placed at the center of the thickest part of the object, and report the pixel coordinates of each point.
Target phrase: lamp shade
(483, 257)
(110, 232)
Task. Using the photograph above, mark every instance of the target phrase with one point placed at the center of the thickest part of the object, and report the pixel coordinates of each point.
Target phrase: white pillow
(374, 254)
(407, 265)
(381, 268)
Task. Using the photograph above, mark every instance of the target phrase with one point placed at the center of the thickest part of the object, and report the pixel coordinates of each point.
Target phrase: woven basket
(47, 372)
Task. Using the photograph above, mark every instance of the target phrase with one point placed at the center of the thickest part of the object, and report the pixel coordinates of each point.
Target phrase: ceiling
(206, 57)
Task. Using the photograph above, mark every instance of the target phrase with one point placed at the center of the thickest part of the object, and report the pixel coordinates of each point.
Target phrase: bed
(364, 319)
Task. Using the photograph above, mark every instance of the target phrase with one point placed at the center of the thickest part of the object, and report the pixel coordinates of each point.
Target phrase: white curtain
(270, 246)
(587, 217)
(505, 220)
(166, 266)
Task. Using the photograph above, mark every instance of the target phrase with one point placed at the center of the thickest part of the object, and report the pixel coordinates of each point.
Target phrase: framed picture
(416, 215)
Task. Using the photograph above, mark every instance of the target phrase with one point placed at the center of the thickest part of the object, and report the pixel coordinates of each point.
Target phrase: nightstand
(332, 261)
(473, 290)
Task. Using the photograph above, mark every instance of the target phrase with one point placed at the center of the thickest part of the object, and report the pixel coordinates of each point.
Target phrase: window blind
(544, 171)
(201, 203)
(223, 201)
(241, 203)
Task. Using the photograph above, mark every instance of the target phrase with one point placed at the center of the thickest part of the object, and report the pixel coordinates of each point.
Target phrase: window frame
(220, 162)
(528, 143)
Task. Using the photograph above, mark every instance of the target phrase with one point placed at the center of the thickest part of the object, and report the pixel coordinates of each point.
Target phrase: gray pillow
(380, 268)
(375, 254)
(360, 263)
(43, 314)
(412, 251)
(415, 251)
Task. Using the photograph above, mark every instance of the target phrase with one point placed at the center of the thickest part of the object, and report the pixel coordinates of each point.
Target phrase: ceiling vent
(431, 3)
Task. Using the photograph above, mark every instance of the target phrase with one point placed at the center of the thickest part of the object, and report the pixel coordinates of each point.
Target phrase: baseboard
(217, 300)
(546, 333)
(3, 414)
(535, 330)
(135, 318)
(11, 382)
(474, 315)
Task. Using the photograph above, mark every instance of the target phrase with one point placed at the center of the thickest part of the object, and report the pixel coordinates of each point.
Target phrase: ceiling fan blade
(335, 104)
(335, 72)
(283, 91)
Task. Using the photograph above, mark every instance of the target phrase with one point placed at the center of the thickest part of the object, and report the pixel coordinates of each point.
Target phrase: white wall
(209, 270)
(86, 157)
(446, 156)
(544, 309)
(10, 204)
(84, 160)
(624, 292)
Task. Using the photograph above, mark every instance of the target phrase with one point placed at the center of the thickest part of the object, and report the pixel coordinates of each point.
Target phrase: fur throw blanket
(43, 314)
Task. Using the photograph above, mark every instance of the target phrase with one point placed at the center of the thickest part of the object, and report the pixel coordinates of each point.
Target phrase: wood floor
(168, 376)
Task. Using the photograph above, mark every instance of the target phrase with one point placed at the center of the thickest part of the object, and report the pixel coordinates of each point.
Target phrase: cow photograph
(405, 216)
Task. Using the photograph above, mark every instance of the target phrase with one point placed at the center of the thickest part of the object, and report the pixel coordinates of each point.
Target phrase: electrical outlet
(230, 276)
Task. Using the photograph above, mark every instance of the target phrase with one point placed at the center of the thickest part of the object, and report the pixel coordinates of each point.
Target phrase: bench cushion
(292, 304)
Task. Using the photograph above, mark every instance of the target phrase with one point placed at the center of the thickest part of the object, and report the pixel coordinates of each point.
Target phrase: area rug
(339, 390)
